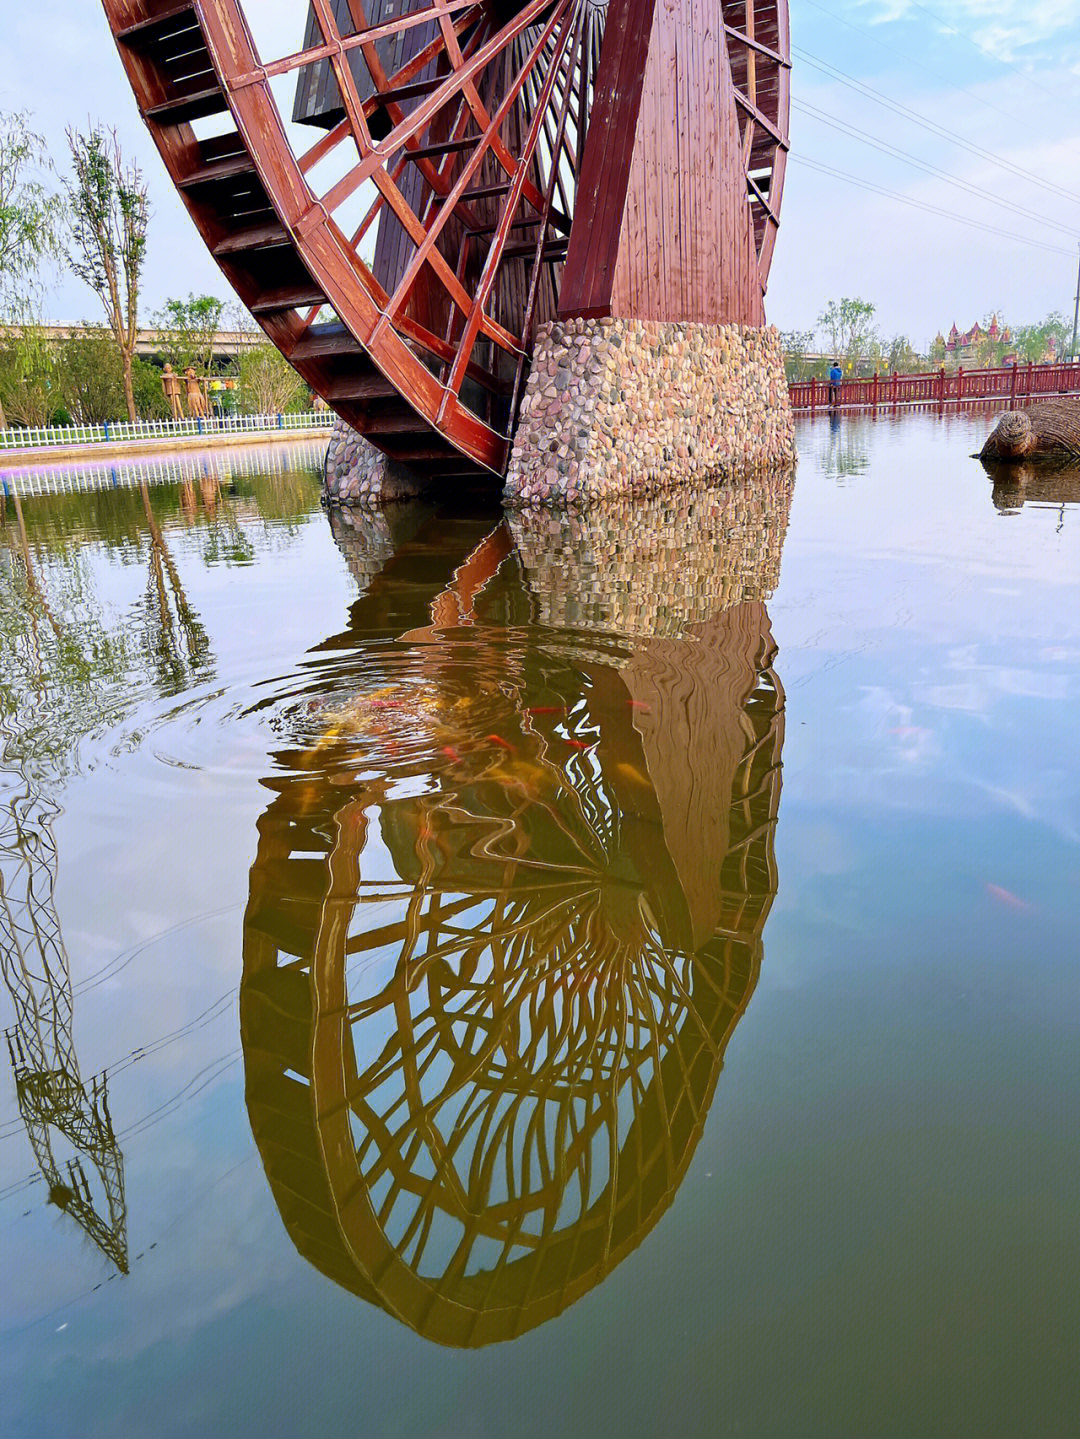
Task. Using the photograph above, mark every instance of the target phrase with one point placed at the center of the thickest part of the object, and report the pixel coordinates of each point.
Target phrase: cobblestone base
(359, 474)
(632, 407)
(657, 566)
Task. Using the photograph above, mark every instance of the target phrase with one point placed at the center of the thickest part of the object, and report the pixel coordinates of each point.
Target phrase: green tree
(90, 379)
(189, 331)
(150, 398)
(30, 393)
(109, 215)
(900, 357)
(849, 327)
(30, 216)
(268, 383)
(90, 376)
(797, 345)
(1036, 343)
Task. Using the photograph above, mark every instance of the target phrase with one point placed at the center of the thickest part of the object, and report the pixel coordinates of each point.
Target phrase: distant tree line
(94, 220)
(846, 331)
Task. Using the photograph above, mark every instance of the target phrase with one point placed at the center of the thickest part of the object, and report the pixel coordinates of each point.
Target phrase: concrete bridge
(150, 344)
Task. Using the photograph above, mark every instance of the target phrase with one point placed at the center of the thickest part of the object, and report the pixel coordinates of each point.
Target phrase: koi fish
(639, 705)
(451, 753)
(548, 710)
(632, 773)
(576, 744)
(1006, 897)
(502, 743)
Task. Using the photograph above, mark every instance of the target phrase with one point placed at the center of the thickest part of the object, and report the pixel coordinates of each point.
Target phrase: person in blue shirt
(836, 376)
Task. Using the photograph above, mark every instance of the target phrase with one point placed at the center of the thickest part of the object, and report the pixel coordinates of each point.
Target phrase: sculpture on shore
(1048, 428)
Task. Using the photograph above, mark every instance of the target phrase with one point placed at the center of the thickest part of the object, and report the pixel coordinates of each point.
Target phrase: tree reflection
(57, 682)
(508, 900)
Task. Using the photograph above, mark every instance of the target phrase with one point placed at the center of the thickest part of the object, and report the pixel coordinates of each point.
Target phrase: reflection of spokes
(509, 1061)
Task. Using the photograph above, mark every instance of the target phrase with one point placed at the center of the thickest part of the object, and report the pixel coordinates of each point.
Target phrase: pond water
(610, 976)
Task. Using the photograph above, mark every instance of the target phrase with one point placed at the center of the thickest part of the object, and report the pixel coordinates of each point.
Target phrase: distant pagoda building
(961, 347)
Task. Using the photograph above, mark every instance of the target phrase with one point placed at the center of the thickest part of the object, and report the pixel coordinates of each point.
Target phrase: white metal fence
(74, 476)
(118, 431)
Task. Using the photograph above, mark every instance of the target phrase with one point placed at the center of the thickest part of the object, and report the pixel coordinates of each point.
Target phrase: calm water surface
(611, 977)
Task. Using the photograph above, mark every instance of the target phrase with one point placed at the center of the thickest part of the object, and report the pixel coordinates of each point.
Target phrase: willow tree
(109, 215)
(29, 218)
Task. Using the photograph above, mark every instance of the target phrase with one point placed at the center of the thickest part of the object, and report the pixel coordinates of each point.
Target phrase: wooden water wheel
(476, 167)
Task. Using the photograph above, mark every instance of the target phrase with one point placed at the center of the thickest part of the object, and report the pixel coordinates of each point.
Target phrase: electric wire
(941, 131)
(887, 148)
(929, 208)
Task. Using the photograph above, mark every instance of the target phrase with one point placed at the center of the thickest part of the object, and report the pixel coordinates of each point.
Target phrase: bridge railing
(123, 431)
(1013, 383)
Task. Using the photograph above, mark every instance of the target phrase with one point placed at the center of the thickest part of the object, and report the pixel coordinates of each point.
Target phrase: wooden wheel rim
(472, 145)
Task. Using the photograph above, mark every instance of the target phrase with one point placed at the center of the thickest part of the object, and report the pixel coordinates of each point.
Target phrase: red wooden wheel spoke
(403, 258)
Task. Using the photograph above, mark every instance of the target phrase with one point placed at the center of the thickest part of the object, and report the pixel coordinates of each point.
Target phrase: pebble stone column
(633, 407)
(357, 473)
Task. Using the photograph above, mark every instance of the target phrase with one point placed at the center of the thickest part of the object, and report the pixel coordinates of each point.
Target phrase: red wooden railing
(1015, 382)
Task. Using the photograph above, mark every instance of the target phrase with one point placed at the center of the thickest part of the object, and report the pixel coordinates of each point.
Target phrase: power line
(887, 148)
(927, 69)
(860, 86)
(925, 205)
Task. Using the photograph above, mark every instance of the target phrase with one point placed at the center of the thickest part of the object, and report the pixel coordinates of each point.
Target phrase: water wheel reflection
(488, 987)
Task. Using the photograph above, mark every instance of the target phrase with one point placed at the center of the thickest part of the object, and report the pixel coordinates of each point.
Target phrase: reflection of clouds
(1049, 798)
(970, 697)
(891, 722)
(978, 695)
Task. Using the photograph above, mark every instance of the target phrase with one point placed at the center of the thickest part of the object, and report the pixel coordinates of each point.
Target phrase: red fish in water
(502, 743)
(451, 753)
(576, 744)
(1006, 897)
(639, 705)
(548, 710)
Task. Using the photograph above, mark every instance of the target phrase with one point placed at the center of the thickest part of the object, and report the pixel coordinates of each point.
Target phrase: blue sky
(1016, 65)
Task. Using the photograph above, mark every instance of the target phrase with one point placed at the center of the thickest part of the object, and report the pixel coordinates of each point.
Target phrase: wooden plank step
(487, 192)
(411, 91)
(366, 384)
(553, 251)
(394, 420)
(418, 455)
(326, 341)
(230, 168)
(447, 147)
(523, 222)
(253, 237)
(288, 297)
(154, 26)
(185, 108)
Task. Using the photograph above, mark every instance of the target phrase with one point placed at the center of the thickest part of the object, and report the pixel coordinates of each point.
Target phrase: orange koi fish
(1006, 897)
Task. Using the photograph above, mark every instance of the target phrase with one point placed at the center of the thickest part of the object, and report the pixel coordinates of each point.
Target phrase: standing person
(836, 378)
(170, 383)
(196, 400)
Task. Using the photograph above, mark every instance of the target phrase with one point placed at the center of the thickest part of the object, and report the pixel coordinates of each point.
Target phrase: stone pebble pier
(616, 408)
(631, 407)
